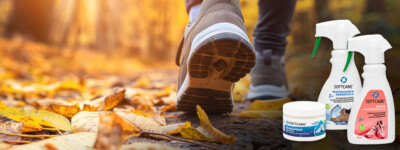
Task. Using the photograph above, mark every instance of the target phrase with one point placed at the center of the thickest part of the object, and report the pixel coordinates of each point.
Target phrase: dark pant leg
(190, 3)
(273, 25)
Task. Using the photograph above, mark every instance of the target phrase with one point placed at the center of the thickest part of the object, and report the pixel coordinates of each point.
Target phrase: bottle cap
(304, 109)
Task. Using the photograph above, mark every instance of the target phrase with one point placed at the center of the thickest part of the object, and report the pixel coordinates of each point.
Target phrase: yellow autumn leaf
(65, 110)
(70, 85)
(273, 114)
(31, 124)
(193, 133)
(142, 82)
(241, 89)
(114, 131)
(83, 140)
(142, 113)
(175, 128)
(113, 100)
(58, 121)
(274, 104)
(211, 132)
(2, 105)
(204, 132)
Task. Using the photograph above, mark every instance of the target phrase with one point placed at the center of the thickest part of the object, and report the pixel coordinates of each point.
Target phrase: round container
(304, 121)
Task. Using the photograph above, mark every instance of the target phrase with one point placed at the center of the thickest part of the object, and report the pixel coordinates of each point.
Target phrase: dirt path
(261, 134)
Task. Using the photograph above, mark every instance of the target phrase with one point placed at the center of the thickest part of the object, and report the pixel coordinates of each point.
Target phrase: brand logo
(361, 127)
(375, 94)
(343, 79)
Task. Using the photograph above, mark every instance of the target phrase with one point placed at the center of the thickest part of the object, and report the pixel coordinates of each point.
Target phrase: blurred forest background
(62, 37)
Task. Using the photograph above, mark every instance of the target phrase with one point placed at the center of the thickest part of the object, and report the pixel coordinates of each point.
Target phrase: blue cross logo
(375, 94)
(343, 79)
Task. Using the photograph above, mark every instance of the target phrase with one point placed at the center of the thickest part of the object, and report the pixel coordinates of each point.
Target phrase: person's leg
(214, 54)
(268, 76)
(192, 8)
(273, 25)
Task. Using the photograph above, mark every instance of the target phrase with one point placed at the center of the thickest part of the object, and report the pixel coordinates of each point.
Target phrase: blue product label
(316, 128)
(340, 102)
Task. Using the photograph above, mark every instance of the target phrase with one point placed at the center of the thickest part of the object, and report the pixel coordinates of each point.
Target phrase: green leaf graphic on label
(327, 106)
(361, 127)
(324, 121)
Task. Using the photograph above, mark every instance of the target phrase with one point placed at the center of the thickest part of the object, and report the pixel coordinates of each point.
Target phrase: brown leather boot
(216, 53)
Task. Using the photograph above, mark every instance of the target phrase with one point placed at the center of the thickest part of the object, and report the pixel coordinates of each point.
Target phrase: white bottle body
(368, 104)
(339, 90)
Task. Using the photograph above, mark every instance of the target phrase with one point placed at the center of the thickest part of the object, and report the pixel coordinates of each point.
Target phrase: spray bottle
(372, 120)
(342, 86)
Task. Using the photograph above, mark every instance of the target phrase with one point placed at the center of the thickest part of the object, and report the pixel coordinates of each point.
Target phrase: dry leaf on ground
(272, 114)
(143, 123)
(2, 105)
(58, 121)
(113, 100)
(211, 132)
(147, 146)
(85, 121)
(114, 131)
(78, 141)
(10, 126)
(205, 131)
(88, 122)
(5, 146)
(175, 128)
(274, 104)
(65, 110)
(31, 124)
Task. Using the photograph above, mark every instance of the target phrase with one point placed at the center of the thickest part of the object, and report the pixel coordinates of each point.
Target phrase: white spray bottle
(342, 86)
(372, 118)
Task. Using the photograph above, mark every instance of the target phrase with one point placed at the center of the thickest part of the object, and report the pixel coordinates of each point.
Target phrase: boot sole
(214, 65)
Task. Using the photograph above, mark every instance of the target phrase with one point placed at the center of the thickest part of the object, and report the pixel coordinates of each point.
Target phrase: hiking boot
(216, 53)
(268, 77)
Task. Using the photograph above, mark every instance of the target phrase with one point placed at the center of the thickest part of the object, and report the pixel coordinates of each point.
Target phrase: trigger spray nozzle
(349, 56)
(318, 39)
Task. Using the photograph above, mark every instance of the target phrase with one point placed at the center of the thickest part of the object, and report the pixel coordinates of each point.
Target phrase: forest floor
(69, 83)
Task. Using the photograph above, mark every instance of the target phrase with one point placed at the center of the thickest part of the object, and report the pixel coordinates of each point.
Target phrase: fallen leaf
(142, 82)
(58, 121)
(10, 126)
(2, 105)
(204, 132)
(4, 145)
(143, 123)
(273, 114)
(70, 85)
(165, 108)
(81, 141)
(88, 122)
(31, 124)
(175, 128)
(65, 110)
(113, 100)
(114, 131)
(241, 89)
(211, 132)
(147, 108)
(147, 146)
(186, 130)
(275, 104)
(141, 113)
(85, 121)
(159, 119)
